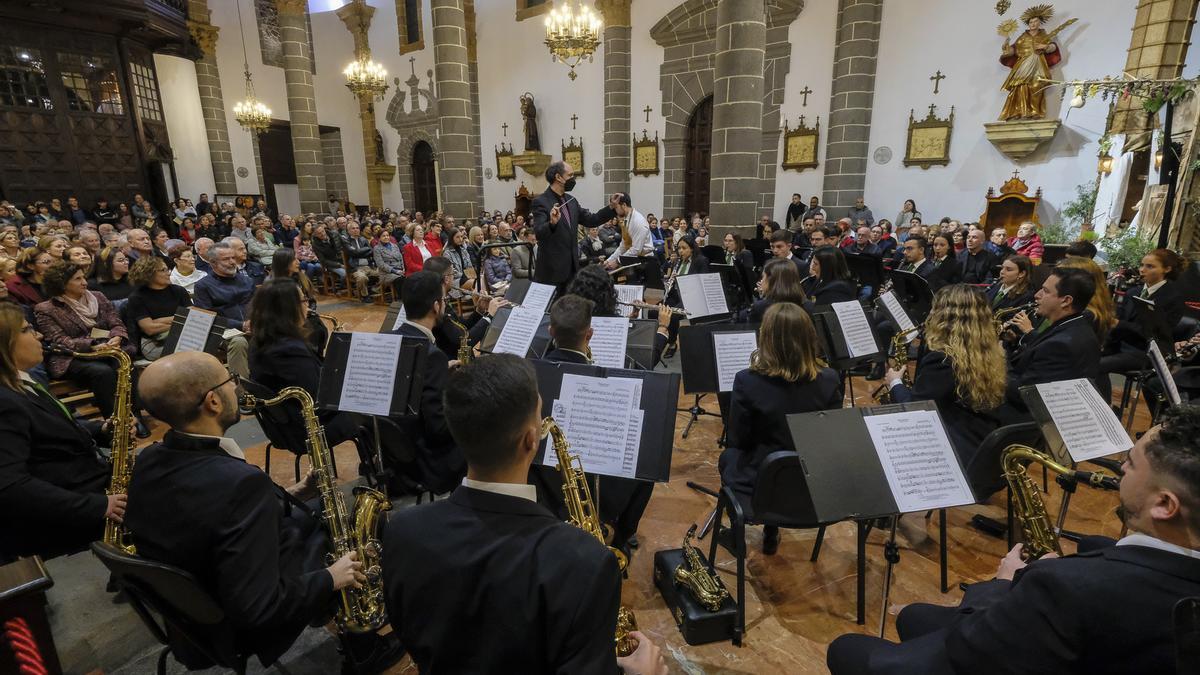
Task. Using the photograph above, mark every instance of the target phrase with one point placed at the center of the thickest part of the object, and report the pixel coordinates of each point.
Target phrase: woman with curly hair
(962, 368)
(593, 283)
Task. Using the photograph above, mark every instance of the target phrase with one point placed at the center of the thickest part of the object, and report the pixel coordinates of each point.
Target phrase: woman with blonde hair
(962, 367)
(1101, 306)
(785, 376)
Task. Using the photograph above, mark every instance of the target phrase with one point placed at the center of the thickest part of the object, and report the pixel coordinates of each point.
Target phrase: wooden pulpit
(1011, 207)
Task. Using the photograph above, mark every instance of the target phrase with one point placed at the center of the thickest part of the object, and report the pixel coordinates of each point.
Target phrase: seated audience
(153, 304)
(328, 253)
(975, 260)
(185, 274)
(417, 251)
(261, 246)
(303, 246)
(227, 292)
(497, 272)
(25, 287)
(358, 257)
(1028, 243)
(112, 275)
(389, 262)
(522, 258)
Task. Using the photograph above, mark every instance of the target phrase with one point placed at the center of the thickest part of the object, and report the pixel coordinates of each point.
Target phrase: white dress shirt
(519, 490)
(639, 236)
(1138, 539)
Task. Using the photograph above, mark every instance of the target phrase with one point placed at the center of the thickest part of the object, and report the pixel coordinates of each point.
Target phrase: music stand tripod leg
(891, 553)
(381, 481)
(695, 411)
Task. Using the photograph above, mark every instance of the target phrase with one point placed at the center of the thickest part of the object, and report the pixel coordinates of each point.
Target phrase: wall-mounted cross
(937, 80)
(505, 128)
(805, 92)
(648, 110)
(931, 107)
(412, 65)
(574, 118)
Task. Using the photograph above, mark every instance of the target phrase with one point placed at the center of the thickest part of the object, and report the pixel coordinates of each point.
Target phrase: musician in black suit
(449, 335)
(829, 279)
(439, 463)
(946, 270)
(1056, 615)
(556, 217)
(781, 249)
(785, 376)
(594, 284)
(52, 478)
(1068, 348)
(469, 564)
(914, 258)
(198, 505)
(1158, 299)
(961, 368)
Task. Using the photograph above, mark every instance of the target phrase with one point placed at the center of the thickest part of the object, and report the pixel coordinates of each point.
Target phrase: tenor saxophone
(578, 498)
(360, 610)
(695, 576)
(899, 349)
(1040, 535)
(464, 341)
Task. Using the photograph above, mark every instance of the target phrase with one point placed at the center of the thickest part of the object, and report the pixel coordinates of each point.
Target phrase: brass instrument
(464, 342)
(360, 610)
(1040, 535)
(697, 578)
(899, 353)
(578, 498)
(645, 305)
(337, 324)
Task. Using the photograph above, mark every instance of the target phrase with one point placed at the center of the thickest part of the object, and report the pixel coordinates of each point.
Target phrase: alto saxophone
(1040, 535)
(697, 578)
(899, 349)
(578, 498)
(360, 610)
(464, 342)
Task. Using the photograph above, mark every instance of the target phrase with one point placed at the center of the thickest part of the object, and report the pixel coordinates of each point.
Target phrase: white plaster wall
(966, 49)
(645, 59)
(185, 125)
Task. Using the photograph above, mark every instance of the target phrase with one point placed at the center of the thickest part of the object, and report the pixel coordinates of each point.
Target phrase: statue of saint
(529, 115)
(1029, 60)
(380, 152)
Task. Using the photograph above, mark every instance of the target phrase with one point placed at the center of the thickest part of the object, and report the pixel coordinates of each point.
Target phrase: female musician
(962, 367)
(785, 376)
(184, 273)
(946, 269)
(829, 279)
(112, 274)
(281, 357)
(153, 304)
(780, 282)
(52, 480)
(285, 266)
(25, 286)
(417, 251)
(593, 283)
(70, 319)
(691, 260)
(736, 252)
(1013, 289)
(1102, 309)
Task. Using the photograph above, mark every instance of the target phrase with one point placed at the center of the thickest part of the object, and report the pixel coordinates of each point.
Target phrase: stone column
(459, 196)
(737, 115)
(212, 103)
(302, 105)
(849, 132)
(1162, 30)
(617, 55)
(357, 17)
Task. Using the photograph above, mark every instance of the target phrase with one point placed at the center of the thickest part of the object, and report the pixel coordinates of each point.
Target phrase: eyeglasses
(237, 382)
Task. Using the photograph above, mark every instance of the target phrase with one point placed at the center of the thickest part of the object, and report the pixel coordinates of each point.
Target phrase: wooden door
(699, 148)
(424, 179)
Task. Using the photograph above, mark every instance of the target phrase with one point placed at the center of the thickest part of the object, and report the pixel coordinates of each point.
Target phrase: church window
(408, 20)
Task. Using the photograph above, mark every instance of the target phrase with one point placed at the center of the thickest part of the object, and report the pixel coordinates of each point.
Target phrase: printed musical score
(602, 420)
(194, 335)
(610, 336)
(702, 295)
(1086, 423)
(860, 340)
(893, 306)
(519, 328)
(732, 351)
(630, 292)
(1164, 373)
(918, 460)
(538, 297)
(370, 378)
(401, 317)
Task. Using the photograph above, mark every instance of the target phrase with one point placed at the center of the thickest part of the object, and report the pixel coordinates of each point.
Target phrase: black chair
(280, 431)
(193, 625)
(1186, 621)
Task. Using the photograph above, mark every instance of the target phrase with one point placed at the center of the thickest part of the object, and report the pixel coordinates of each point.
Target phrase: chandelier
(250, 113)
(365, 77)
(572, 35)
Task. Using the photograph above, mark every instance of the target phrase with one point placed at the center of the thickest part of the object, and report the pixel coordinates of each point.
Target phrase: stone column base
(1019, 138)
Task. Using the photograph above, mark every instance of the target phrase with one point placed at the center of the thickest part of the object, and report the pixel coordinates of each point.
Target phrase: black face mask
(570, 184)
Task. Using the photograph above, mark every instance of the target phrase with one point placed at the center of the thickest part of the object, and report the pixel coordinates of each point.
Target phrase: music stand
(914, 293)
(394, 318)
(213, 340)
(735, 283)
(698, 365)
(760, 249)
(649, 272)
(537, 348)
(867, 268)
(833, 343)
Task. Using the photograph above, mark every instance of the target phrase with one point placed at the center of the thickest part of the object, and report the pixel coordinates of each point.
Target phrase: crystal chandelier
(572, 35)
(250, 112)
(365, 77)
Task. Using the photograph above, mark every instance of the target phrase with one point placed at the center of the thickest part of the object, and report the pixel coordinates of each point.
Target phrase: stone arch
(404, 152)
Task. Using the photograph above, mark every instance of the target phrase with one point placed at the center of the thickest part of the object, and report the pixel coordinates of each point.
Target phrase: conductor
(556, 219)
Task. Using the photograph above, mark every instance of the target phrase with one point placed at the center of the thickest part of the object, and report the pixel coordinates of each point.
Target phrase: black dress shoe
(770, 540)
(876, 372)
(370, 653)
(669, 351)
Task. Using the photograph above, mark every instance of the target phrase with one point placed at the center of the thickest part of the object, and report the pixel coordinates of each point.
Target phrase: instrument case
(698, 625)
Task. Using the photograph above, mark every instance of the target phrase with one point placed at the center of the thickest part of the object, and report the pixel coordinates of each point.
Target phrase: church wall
(185, 125)
(644, 58)
(960, 39)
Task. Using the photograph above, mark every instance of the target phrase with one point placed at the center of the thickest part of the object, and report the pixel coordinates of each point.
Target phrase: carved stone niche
(1019, 138)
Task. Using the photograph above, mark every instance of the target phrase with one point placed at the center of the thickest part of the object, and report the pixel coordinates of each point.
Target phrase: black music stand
(639, 348)
(833, 343)
(760, 249)
(648, 272)
(212, 342)
(914, 294)
(698, 365)
(537, 348)
(867, 268)
(394, 317)
(737, 285)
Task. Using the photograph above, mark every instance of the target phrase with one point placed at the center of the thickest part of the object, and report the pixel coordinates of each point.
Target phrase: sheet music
(855, 328)
(702, 295)
(610, 335)
(732, 350)
(538, 297)
(401, 317)
(1164, 373)
(194, 334)
(519, 328)
(918, 461)
(602, 420)
(630, 292)
(1085, 421)
(370, 373)
(898, 314)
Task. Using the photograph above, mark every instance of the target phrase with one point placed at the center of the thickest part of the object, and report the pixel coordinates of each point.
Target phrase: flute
(478, 294)
(646, 305)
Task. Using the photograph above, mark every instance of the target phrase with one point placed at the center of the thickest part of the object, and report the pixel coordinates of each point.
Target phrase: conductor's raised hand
(347, 572)
(614, 199)
(554, 214)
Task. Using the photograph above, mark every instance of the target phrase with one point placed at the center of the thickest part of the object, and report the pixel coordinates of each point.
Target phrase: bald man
(252, 545)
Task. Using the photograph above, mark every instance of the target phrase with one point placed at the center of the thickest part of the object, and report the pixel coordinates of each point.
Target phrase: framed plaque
(645, 155)
(929, 140)
(572, 153)
(505, 169)
(800, 145)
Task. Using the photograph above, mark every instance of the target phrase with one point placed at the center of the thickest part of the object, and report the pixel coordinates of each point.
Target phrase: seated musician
(781, 249)
(1067, 349)
(1012, 289)
(785, 376)
(975, 260)
(1125, 349)
(829, 278)
(1101, 309)
(227, 292)
(198, 505)
(594, 284)
(961, 368)
(471, 564)
(285, 266)
(449, 336)
(1057, 615)
(736, 252)
(780, 282)
(914, 257)
(946, 270)
(52, 478)
(439, 464)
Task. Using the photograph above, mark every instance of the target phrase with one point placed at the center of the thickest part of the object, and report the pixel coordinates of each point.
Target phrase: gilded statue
(1029, 60)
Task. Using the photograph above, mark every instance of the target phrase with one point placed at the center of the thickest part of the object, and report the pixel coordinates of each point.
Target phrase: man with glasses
(228, 293)
(255, 547)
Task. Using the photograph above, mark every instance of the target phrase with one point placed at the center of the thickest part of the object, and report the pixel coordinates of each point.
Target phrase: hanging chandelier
(365, 77)
(250, 113)
(572, 35)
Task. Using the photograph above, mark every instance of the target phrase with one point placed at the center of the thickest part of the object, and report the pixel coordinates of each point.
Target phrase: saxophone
(899, 349)
(1040, 535)
(360, 610)
(578, 497)
(464, 342)
(699, 580)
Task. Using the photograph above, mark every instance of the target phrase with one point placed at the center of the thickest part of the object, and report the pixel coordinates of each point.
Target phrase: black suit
(944, 273)
(557, 247)
(1068, 350)
(52, 479)
(976, 269)
(758, 410)
(439, 462)
(193, 506)
(449, 336)
(760, 307)
(1056, 616)
(829, 292)
(290, 362)
(489, 583)
(698, 264)
(1125, 348)
(935, 382)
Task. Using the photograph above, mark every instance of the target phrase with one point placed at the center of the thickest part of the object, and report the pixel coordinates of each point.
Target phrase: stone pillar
(617, 55)
(212, 103)
(302, 105)
(473, 79)
(849, 132)
(357, 17)
(255, 142)
(737, 115)
(1162, 30)
(459, 196)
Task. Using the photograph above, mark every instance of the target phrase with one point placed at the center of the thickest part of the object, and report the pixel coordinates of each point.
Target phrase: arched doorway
(424, 179)
(699, 148)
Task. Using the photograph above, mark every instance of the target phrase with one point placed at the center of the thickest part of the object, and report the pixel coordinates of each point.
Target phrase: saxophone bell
(898, 352)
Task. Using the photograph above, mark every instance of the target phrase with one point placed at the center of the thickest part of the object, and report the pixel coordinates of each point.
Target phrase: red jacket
(1033, 248)
(22, 291)
(413, 262)
(433, 243)
(61, 326)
